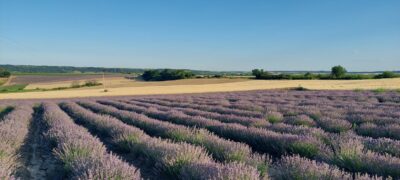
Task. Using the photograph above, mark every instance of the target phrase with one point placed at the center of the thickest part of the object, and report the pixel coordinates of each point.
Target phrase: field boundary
(223, 87)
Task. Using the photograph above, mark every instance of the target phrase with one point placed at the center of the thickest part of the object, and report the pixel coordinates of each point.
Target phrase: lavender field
(277, 134)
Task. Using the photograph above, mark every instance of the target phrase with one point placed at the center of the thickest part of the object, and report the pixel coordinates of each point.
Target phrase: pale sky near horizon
(362, 35)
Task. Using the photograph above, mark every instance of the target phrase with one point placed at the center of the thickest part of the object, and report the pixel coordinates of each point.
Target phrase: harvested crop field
(207, 85)
(117, 82)
(275, 134)
(49, 78)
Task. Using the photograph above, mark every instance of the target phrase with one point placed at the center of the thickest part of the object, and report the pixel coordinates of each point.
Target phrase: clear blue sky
(362, 35)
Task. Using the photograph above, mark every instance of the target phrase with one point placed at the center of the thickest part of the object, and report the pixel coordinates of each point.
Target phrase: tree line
(71, 69)
(337, 72)
(166, 74)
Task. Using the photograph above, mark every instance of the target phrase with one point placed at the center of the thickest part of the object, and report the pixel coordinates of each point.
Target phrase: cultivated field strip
(241, 135)
(83, 156)
(273, 143)
(13, 130)
(220, 109)
(221, 149)
(380, 145)
(176, 159)
(367, 121)
(386, 126)
(227, 118)
(165, 129)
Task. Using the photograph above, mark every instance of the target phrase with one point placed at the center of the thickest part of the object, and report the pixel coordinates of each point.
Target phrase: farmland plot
(238, 135)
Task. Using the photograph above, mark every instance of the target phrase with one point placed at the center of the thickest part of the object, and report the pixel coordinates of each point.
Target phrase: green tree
(338, 71)
(151, 75)
(257, 73)
(4, 73)
(388, 74)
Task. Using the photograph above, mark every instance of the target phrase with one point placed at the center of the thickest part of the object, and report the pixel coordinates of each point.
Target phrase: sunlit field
(275, 134)
(206, 85)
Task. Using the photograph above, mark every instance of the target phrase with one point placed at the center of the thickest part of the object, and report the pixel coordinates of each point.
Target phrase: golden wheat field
(207, 85)
(117, 82)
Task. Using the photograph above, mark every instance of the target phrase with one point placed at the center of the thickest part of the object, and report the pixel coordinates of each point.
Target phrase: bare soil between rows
(37, 160)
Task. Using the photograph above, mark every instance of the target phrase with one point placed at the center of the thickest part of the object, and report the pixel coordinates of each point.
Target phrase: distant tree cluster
(337, 72)
(70, 69)
(387, 74)
(4, 73)
(166, 74)
(67, 69)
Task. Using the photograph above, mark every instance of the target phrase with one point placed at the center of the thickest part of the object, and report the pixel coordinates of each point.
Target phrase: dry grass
(3, 80)
(182, 87)
(55, 78)
(117, 82)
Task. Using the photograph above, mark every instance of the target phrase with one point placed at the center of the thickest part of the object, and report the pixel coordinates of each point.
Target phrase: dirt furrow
(37, 159)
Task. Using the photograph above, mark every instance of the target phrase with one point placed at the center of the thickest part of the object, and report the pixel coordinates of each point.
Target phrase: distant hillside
(66, 69)
(71, 69)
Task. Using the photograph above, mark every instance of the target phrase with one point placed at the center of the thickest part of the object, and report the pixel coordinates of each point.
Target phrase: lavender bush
(304, 134)
(13, 131)
(83, 155)
(296, 167)
(260, 139)
(221, 149)
(167, 156)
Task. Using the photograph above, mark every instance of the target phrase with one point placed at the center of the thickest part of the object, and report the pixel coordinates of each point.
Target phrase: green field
(12, 88)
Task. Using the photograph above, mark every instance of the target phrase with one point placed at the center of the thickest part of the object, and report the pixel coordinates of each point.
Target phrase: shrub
(274, 117)
(379, 90)
(296, 167)
(306, 149)
(334, 125)
(302, 120)
(92, 83)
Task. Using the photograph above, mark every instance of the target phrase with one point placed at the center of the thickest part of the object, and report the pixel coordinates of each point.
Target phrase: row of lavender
(255, 135)
(179, 160)
(367, 119)
(13, 131)
(83, 156)
(342, 150)
(380, 145)
(284, 168)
